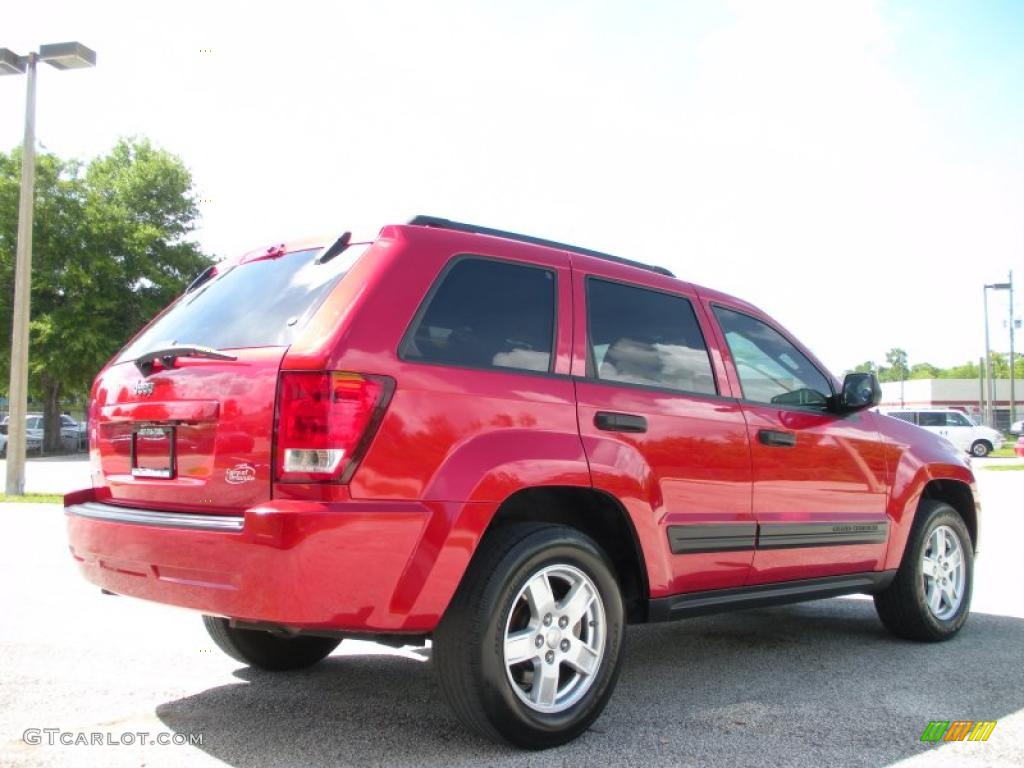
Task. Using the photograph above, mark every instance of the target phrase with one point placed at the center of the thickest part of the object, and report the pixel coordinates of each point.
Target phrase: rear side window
(639, 336)
(487, 314)
(905, 416)
(259, 304)
(931, 419)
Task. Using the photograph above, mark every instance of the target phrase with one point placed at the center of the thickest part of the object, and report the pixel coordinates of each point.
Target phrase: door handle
(619, 422)
(776, 438)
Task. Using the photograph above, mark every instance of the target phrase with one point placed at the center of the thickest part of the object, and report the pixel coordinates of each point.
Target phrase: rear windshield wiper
(167, 355)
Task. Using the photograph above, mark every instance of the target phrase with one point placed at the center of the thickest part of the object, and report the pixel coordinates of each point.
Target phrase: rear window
(260, 304)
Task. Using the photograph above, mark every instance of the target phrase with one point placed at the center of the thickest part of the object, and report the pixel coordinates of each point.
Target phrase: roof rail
(439, 223)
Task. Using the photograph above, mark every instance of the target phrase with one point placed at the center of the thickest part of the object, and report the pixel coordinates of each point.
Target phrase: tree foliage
(898, 370)
(110, 249)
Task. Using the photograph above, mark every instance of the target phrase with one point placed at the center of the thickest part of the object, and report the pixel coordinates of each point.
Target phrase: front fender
(914, 463)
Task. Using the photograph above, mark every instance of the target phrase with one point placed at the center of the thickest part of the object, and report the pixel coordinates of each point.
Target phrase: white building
(963, 394)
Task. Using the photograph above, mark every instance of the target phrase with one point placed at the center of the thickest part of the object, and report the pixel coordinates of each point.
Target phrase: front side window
(954, 419)
(487, 314)
(639, 336)
(770, 368)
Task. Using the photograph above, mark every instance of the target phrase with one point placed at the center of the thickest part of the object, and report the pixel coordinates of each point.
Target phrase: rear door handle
(619, 422)
(776, 438)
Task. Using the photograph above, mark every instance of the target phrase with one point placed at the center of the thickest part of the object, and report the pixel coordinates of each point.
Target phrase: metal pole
(981, 388)
(990, 416)
(1013, 399)
(18, 392)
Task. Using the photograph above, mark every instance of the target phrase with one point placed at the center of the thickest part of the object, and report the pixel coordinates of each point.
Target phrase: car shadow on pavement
(813, 684)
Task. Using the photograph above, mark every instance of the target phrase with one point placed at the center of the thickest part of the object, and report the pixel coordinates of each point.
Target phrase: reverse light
(325, 422)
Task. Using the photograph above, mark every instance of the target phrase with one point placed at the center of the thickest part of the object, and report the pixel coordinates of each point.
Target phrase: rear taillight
(325, 421)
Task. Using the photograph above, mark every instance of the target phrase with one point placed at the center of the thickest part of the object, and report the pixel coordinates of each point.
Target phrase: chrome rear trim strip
(110, 513)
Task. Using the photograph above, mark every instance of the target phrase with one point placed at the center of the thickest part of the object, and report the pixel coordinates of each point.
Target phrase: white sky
(854, 168)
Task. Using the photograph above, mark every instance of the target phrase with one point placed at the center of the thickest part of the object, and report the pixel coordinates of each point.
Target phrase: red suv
(510, 446)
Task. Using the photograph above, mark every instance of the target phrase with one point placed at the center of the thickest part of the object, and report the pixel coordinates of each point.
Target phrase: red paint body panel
(386, 551)
(691, 466)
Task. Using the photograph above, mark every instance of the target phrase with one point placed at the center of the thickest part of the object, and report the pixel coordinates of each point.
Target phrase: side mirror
(860, 390)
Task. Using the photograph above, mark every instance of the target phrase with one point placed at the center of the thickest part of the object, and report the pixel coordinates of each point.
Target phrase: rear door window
(262, 303)
(640, 336)
(931, 419)
(486, 313)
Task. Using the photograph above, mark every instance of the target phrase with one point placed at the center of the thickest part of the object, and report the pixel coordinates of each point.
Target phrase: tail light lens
(325, 421)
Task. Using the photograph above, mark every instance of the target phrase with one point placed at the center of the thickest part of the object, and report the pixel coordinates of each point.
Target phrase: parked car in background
(955, 426)
(513, 447)
(72, 434)
(33, 433)
(1017, 428)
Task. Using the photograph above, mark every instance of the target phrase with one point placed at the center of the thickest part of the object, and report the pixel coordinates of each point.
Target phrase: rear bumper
(355, 566)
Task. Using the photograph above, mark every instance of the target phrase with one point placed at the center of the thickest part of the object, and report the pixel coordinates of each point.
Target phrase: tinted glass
(905, 416)
(957, 420)
(639, 336)
(927, 419)
(488, 314)
(770, 368)
(260, 304)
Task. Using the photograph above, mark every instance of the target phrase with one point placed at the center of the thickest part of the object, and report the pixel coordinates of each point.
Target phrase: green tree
(1000, 365)
(866, 367)
(924, 371)
(897, 369)
(965, 371)
(110, 249)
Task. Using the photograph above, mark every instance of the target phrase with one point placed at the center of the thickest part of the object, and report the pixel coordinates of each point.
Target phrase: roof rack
(439, 223)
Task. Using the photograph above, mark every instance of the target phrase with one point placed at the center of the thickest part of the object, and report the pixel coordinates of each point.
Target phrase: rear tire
(264, 650)
(981, 448)
(930, 597)
(528, 651)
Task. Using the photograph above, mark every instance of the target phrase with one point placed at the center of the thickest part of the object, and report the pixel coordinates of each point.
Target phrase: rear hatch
(193, 429)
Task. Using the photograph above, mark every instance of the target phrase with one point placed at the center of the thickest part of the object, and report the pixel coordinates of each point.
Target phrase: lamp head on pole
(11, 63)
(71, 55)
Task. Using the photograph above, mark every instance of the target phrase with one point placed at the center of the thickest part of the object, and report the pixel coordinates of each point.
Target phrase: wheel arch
(597, 514)
(960, 497)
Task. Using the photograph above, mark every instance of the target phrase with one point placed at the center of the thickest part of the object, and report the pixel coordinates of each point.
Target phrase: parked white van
(955, 426)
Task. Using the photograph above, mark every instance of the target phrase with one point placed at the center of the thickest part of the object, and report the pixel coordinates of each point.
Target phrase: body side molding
(763, 595)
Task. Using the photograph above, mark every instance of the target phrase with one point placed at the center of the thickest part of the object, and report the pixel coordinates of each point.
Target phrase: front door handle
(776, 439)
(619, 422)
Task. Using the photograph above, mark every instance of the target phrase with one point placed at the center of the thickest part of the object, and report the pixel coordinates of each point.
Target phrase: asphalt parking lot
(817, 684)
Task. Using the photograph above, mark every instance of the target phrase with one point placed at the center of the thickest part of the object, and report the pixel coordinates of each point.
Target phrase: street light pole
(988, 358)
(1013, 398)
(72, 55)
(990, 410)
(18, 392)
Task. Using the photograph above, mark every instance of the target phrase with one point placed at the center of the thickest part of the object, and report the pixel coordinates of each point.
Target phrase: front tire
(528, 651)
(930, 597)
(264, 650)
(981, 448)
